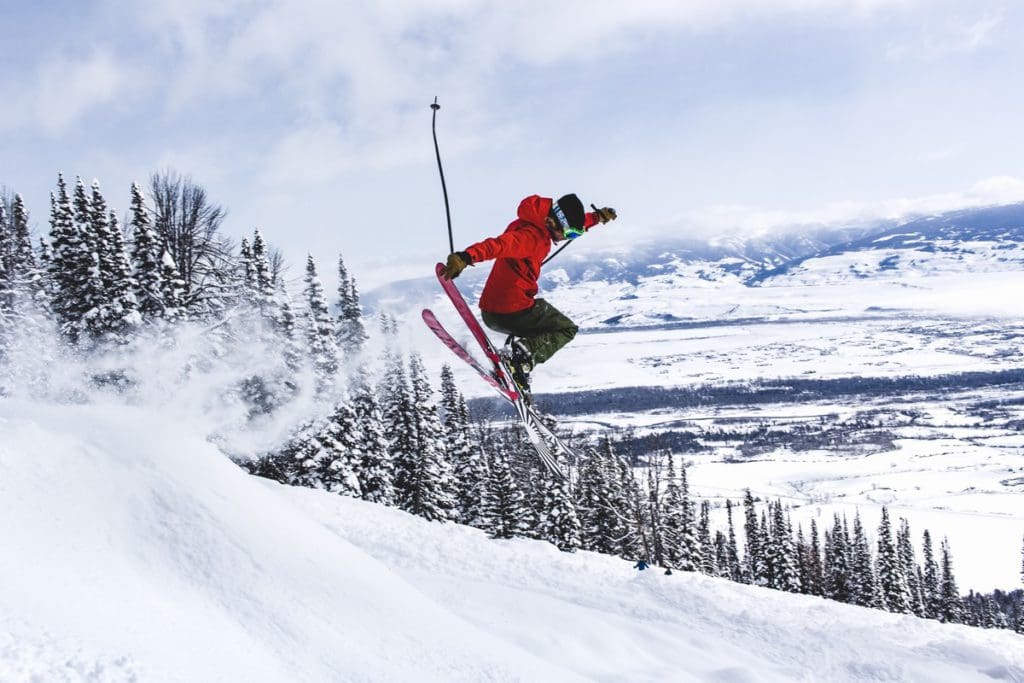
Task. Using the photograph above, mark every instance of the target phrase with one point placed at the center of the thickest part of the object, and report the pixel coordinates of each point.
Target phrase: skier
(508, 305)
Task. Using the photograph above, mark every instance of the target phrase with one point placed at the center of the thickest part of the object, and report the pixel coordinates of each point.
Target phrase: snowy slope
(132, 549)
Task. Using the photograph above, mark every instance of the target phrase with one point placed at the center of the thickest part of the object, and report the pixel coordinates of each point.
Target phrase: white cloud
(63, 90)
(752, 221)
(948, 36)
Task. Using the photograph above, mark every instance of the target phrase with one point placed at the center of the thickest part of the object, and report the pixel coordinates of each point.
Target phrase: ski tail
(459, 350)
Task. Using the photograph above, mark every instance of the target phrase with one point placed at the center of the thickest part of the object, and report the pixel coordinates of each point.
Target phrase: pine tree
(323, 348)
(863, 582)
(784, 556)
(635, 539)
(287, 326)
(658, 531)
(752, 554)
(816, 576)
(599, 519)
(375, 469)
(905, 551)
(320, 455)
(950, 607)
(397, 410)
(735, 568)
(431, 493)
(505, 508)
(172, 289)
(895, 595)
(20, 279)
(559, 524)
(837, 563)
(116, 306)
(687, 556)
(351, 330)
(89, 284)
(71, 261)
(146, 259)
(263, 280)
(930, 579)
(707, 557)
(341, 440)
(6, 265)
(469, 465)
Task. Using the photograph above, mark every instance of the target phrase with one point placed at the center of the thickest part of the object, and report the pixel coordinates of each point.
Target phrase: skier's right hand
(457, 263)
(605, 214)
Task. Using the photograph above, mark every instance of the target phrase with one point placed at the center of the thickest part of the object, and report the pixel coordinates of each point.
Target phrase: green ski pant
(542, 328)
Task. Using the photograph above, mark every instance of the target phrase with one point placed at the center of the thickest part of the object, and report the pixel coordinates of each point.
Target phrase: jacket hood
(534, 209)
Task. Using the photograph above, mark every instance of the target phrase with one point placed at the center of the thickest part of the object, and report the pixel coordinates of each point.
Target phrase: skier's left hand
(457, 263)
(606, 214)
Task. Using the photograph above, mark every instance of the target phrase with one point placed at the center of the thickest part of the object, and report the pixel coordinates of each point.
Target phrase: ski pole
(451, 240)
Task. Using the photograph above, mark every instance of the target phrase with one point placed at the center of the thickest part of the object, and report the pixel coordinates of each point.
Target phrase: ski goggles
(568, 231)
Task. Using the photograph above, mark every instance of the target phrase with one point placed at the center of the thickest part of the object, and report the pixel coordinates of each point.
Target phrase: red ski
(499, 376)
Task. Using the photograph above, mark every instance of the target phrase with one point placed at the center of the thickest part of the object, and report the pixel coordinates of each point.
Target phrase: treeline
(96, 286)
(766, 391)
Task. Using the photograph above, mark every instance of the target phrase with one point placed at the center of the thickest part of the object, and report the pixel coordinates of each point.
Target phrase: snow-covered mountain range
(654, 274)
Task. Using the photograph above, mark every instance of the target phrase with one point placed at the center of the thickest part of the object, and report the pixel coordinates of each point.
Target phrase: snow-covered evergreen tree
(71, 264)
(351, 330)
(397, 410)
(659, 532)
(146, 259)
(895, 595)
(752, 556)
(863, 580)
(682, 522)
(905, 551)
(558, 521)
(6, 266)
(707, 557)
(116, 314)
(287, 326)
(172, 289)
(815, 583)
(323, 348)
(595, 502)
(321, 454)
(469, 465)
(837, 563)
(950, 605)
(733, 555)
(426, 487)
(505, 508)
(787, 577)
(930, 579)
(375, 470)
(263, 281)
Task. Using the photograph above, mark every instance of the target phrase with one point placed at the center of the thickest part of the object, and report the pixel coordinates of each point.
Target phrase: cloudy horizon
(311, 120)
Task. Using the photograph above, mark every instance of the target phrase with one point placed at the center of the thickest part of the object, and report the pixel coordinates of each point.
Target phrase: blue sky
(310, 120)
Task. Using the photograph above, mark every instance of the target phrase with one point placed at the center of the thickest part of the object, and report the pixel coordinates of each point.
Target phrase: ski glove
(605, 214)
(457, 263)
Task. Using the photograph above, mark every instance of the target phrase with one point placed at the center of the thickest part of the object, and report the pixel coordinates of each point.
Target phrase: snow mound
(133, 549)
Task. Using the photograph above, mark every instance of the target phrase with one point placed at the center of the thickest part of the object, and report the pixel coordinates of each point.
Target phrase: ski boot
(519, 359)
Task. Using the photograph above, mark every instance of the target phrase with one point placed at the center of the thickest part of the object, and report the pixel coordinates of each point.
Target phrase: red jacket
(519, 251)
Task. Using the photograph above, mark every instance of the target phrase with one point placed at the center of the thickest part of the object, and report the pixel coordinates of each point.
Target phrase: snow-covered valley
(948, 456)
